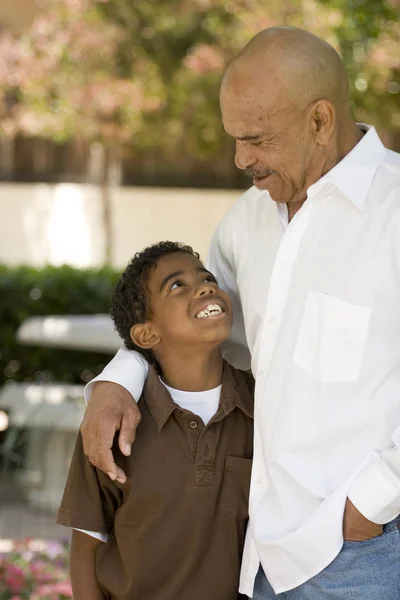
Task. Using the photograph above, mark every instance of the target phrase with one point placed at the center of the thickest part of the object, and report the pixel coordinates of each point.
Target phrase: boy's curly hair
(130, 302)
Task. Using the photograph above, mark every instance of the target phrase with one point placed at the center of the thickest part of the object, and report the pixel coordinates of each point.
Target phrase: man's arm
(82, 567)
(111, 407)
(375, 492)
(221, 262)
(374, 496)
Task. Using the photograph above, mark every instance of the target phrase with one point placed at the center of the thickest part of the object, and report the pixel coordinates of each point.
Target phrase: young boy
(175, 530)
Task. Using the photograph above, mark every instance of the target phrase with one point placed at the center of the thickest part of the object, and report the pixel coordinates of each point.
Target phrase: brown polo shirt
(177, 526)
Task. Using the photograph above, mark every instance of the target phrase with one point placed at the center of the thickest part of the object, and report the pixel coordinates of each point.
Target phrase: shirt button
(259, 480)
(272, 320)
(193, 424)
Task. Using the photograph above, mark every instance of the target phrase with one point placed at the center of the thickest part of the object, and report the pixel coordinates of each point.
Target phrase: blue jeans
(362, 571)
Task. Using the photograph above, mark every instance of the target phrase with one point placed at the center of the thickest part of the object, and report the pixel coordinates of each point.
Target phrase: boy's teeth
(211, 309)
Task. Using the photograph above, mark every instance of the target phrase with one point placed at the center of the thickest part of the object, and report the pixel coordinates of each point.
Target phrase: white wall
(55, 224)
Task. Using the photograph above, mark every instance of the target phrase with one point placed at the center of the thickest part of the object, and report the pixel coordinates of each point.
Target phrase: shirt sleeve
(128, 368)
(375, 492)
(220, 262)
(90, 498)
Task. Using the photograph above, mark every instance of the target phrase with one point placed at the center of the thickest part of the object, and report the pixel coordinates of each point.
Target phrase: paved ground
(19, 521)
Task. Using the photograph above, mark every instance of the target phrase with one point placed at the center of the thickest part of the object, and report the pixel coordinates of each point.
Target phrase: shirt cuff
(128, 368)
(375, 492)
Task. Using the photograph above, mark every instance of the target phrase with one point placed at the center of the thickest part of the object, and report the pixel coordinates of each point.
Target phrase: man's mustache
(258, 173)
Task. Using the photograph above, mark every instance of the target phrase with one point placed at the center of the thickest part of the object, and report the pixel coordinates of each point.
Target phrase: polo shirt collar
(353, 175)
(158, 399)
(234, 394)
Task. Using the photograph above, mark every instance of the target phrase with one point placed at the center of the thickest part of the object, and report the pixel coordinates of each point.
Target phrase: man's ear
(323, 119)
(145, 335)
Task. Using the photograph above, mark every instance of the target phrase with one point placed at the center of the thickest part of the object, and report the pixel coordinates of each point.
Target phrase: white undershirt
(203, 404)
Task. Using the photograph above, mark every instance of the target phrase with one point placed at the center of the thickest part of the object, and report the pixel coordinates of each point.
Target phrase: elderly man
(311, 258)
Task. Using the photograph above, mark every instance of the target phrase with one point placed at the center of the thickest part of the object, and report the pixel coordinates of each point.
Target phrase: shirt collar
(234, 394)
(353, 175)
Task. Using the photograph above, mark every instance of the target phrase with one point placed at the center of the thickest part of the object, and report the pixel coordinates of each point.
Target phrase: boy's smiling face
(187, 308)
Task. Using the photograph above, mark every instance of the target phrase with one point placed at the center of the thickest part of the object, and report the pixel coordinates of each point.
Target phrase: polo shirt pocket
(332, 337)
(236, 486)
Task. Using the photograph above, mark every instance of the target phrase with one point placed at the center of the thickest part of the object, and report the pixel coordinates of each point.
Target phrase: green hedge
(26, 292)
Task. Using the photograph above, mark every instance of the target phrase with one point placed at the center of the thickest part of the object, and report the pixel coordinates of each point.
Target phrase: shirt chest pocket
(236, 486)
(332, 338)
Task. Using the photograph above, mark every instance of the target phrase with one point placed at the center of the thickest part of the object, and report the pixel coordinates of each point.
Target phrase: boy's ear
(144, 336)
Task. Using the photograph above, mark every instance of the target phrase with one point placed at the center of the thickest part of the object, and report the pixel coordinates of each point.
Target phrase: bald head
(285, 98)
(293, 63)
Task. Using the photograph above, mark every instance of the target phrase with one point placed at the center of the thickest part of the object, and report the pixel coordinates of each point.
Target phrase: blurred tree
(147, 74)
(61, 80)
(188, 43)
(367, 35)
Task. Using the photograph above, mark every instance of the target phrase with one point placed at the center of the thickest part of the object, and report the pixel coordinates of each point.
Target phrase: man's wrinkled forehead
(247, 112)
(251, 84)
(253, 123)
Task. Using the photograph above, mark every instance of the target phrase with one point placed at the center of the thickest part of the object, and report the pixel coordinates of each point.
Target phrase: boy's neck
(196, 373)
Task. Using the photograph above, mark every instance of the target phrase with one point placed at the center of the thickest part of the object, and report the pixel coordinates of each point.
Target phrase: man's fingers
(104, 460)
(110, 408)
(130, 421)
(99, 453)
(98, 429)
(121, 477)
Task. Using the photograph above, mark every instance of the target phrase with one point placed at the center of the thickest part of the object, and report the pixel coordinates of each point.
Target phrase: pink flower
(64, 588)
(53, 591)
(204, 58)
(40, 571)
(14, 578)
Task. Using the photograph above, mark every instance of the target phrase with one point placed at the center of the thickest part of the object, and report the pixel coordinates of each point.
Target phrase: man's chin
(263, 183)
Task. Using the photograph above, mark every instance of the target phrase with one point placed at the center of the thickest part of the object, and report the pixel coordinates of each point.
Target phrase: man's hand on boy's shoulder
(111, 408)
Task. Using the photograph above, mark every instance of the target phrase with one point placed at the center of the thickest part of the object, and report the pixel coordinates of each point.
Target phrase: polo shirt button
(193, 424)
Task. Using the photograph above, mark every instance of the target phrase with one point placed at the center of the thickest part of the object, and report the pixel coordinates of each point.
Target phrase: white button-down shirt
(317, 311)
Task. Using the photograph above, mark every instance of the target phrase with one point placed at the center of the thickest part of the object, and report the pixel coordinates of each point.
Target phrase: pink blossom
(386, 55)
(204, 58)
(14, 578)
(53, 591)
(40, 571)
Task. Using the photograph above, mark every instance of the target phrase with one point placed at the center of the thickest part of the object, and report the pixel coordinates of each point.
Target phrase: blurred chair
(43, 419)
